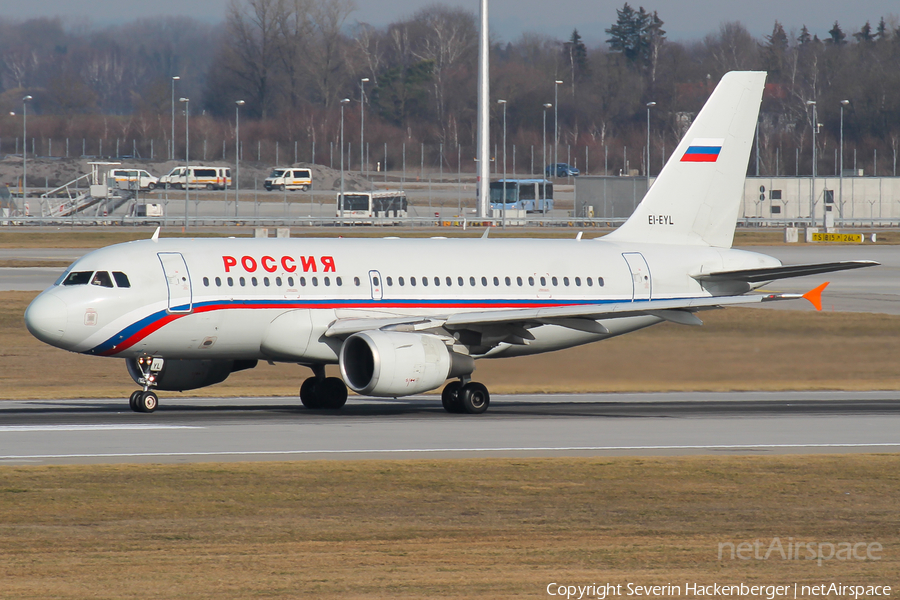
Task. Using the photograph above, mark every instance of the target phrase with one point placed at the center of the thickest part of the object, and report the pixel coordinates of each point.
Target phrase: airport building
(775, 200)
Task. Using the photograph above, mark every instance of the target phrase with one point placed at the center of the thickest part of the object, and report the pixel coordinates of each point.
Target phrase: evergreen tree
(864, 35)
(838, 37)
(775, 50)
(804, 37)
(638, 35)
(881, 33)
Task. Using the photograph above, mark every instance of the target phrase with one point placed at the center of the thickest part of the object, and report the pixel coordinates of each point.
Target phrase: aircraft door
(376, 285)
(178, 280)
(640, 275)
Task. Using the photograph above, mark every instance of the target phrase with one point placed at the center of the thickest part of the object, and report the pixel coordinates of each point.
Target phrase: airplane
(404, 316)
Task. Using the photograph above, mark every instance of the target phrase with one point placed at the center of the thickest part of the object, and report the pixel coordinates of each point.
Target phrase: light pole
(841, 188)
(503, 214)
(237, 154)
(172, 143)
(812, 193)
(362, 123)
(187, 154)
(25, 102)
(649, 106)
(557, 83)
(344, 102)
(544, 158)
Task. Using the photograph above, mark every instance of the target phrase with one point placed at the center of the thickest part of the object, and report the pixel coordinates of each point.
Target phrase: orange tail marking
(815, 296)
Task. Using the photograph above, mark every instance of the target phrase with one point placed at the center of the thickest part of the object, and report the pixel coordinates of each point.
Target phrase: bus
(531, 195)
(387, 204)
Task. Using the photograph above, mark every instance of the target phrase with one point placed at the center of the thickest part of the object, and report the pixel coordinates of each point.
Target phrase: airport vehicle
(288, 178)
(129, 178)
(368, 205)
(561, 170)
(197, 177)
(402, 316)
(531, 195)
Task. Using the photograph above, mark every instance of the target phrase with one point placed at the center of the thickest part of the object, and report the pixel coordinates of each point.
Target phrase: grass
(736, 349)
(488, 528)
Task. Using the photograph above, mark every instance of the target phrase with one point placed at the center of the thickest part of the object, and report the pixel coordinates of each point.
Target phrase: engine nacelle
(393, 363)
(178, 375)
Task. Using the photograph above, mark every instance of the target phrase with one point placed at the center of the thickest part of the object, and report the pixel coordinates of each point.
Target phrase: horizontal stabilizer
(784, 271)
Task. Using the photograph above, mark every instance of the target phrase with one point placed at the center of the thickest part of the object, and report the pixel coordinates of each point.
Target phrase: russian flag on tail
(703, 150)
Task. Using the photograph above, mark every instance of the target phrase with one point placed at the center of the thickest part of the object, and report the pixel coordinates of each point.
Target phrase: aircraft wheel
(332, 393)
(474, 398)
(309, 393)
(133, 400)
(450, 397)
(147, 402)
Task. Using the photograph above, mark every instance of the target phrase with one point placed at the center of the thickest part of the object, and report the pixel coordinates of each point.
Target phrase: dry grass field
(498, 528)
(736, 349)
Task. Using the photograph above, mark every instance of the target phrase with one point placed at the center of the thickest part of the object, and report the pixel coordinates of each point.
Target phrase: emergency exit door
(642, 284)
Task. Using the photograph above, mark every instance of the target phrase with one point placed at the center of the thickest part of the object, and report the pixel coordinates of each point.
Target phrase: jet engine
(392, 363)
(179, 375)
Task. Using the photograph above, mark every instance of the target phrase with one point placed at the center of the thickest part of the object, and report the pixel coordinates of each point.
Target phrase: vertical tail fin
(697, 196)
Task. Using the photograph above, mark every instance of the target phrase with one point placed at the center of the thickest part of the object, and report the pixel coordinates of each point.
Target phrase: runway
(252, 429)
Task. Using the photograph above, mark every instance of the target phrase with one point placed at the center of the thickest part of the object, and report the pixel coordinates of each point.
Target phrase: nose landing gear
(145, 400)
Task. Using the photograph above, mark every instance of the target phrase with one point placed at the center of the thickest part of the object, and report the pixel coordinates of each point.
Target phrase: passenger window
(425, 281)
(590, 282)
(400, 281)
(437, 281)
(484, 281)
(356, 281)
(519, 281)
(254, 281)
(460, 281)
(102, 279)
(121, 279)
(218, 282)
(339, 282)
(555, 281)
(578, 281)
(266, 281)
(566, 281)
(412, 281)
(496, 281)
(303, 282)
(472, 281)
(531, 281)
(242, 281)
(278, 281)
(327, 280)
(543, 282)
(600, 281)
(230, 282)
(508, 282)
(449, 282)
(389, 281)
(206, 281)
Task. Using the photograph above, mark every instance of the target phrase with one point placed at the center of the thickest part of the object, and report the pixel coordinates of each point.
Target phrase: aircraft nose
(46, 318)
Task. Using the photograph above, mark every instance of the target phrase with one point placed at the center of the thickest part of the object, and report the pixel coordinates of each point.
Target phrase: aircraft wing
(784, 271)
(582, 317)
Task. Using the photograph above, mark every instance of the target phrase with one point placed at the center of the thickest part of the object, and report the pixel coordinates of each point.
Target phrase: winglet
(155, 237)
(815, 296)
(487, 232)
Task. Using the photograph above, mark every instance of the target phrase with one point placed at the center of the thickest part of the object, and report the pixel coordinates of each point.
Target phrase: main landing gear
(320, 392)
(144, 400)
(465, 397)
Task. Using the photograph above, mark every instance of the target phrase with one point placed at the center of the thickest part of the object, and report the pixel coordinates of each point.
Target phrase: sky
(684, 19)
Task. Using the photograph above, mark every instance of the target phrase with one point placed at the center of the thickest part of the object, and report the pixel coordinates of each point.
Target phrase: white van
(199, 177)
(127, 179)
(288, 178)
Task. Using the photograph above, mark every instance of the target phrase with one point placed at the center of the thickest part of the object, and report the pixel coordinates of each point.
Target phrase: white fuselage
(222, 300)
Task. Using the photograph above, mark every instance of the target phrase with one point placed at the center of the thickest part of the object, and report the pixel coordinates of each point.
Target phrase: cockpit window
(102, 279)
(78, 278)
(121, 279)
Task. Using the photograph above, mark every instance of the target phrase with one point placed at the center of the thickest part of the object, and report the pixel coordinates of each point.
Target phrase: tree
(864, 35)
(638, 35)
(804, 38)
(575, 53)
(775, 51)
(838, 37)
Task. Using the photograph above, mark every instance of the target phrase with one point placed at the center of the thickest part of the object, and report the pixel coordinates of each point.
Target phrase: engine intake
(178, 375)
(391, 363)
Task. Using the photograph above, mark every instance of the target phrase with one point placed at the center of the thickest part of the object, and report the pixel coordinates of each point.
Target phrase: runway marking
(13, 428)
(454, 450)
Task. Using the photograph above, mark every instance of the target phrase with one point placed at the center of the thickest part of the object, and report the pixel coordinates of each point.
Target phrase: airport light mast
(483, 154)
